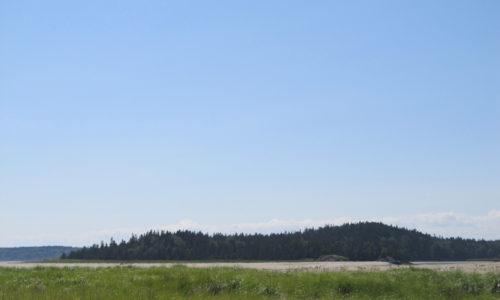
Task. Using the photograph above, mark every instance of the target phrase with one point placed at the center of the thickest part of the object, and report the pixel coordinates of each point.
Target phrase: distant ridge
(33, 253)
(355, 241)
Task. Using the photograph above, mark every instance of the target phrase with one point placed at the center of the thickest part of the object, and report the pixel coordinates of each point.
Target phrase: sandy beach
(475, 266)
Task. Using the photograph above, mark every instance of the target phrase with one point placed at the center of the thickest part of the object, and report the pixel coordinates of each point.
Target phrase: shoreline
(465, 266)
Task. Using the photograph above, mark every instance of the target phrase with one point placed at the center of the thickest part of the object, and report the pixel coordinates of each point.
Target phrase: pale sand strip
(476, 266)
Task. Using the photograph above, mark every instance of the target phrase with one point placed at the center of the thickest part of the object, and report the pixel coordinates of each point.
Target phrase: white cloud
(451, 224)
(445, 224)
(274, 225)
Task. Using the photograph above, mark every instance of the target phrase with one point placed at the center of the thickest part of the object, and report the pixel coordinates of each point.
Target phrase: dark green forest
(33, 253)
(357, 241)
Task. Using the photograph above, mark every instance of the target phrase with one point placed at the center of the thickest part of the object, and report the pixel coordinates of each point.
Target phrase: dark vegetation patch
(359, 241)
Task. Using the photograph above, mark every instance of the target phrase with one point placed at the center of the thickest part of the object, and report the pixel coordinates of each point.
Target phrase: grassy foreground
(230, 283)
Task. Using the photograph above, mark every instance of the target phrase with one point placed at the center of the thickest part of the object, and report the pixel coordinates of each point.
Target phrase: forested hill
(359, 241)
(33, 253)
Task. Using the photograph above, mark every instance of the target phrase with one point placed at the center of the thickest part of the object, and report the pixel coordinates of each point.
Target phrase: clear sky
(120, 116)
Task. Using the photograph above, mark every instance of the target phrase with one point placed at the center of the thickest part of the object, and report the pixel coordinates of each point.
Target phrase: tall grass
(181, 282)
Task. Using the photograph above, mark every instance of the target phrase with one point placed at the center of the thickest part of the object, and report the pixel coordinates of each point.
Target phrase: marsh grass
(181, 282)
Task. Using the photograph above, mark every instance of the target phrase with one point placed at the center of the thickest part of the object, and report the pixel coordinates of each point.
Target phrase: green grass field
(230, 283)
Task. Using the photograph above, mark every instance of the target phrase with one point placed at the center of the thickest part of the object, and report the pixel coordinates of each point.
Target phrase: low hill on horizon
(355, 241)
(33, 253)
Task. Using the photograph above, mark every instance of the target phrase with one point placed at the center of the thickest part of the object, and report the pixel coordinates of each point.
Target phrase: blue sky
(119, 116)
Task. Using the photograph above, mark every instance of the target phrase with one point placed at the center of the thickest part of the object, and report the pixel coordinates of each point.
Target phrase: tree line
(356, 241)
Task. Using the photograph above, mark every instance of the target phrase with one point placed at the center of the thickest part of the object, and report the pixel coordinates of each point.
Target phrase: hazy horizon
(123, 117)
(441, 224)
